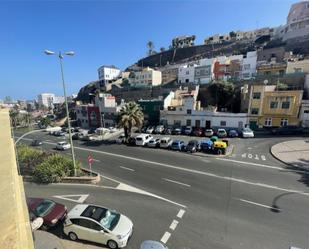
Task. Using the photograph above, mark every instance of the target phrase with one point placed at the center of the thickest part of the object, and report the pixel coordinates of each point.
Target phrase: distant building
(183, 41)
(108, 73)
(300, 66)
(146, 78)
(58, 100)
(151, 110)
(204, 71)
(46, 99)
(88, 116)
(249, 65)
(186, 74)
(169, 73)
(304, 113)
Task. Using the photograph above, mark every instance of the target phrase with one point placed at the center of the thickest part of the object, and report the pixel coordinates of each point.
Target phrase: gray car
(151, 244)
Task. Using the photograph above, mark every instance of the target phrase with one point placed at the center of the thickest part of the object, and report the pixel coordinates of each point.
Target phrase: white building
(203, 73)
(304, 113)
(59, 100)
(108, 73)
(146, 77)
(186, 74)
(249, 65)
(46, 99)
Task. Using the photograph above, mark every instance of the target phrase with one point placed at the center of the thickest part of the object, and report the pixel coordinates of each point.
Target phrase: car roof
(77, 210)
(165, 138)
(62, 142)
(150, 244)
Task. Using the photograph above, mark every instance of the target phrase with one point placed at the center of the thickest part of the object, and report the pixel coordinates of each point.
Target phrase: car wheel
(73, 236)
(112, 244)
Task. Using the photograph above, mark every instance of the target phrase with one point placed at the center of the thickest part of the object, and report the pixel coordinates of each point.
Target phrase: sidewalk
(293, 152)
(46, 240)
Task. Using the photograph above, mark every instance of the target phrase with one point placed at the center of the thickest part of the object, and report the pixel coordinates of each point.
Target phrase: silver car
(151, 244)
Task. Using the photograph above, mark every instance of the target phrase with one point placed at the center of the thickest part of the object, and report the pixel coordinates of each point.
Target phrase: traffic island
(87, 177)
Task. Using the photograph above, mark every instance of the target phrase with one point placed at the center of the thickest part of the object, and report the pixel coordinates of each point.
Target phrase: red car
(51, 212)
(198, 132)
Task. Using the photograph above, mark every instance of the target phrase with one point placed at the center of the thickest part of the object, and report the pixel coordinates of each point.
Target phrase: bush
(54, 168)
(29, 157)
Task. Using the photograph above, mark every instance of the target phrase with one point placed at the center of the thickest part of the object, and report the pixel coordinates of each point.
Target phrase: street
(245, 200)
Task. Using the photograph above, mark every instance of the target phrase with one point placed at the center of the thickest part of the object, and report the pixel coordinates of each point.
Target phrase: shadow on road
(301, 168)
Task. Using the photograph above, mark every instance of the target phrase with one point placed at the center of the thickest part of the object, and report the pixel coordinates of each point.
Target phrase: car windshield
(139, 139)
(44, 208)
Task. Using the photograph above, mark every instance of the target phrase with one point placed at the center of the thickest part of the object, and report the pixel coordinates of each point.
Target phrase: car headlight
(120, 236)
(54, 221)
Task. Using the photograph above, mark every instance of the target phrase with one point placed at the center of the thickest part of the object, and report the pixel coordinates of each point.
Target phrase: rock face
(83, 94)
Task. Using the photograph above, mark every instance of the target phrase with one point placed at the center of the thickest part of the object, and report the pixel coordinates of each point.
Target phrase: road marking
(250, 156)
(81, 198)
(244, 155)
(174, 225)
(255, 164)
(257, 157)
(180, 183)
(249, 148)
(126, 168)
(181, 213)
(165, 237)
(96, 160)
(259, 204)
(263, 157)
(48, 141)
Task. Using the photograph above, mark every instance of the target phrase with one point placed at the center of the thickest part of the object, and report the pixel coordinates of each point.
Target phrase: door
(198, 123)
(240, 125)
(208, 124)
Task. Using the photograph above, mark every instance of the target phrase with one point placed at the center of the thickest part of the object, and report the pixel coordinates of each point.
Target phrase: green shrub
(29, 157)
(54, 168)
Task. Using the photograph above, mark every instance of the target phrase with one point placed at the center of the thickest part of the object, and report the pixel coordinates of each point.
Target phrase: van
(166, 142)
(142, 139)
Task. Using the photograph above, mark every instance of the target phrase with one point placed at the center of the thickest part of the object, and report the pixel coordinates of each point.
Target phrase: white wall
(46, 99)
(249, 65)
(108, 73)
(146, 77)
(304, 113)
(186, 74)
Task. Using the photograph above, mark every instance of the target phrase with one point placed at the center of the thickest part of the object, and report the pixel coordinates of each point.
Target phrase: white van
(143, 139)
(165, 142)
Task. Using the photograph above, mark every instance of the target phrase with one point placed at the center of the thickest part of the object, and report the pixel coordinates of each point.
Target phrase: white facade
(46, 99)
(107, 73)
(58, 100)
(204, 71)
(186, 74)
(304, 113)
(146, 77)
(249, 65)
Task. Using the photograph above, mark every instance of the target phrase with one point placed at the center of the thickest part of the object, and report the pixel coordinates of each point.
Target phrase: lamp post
(61, 56)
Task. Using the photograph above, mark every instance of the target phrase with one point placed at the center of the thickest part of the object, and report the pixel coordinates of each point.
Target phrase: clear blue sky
(108, 32)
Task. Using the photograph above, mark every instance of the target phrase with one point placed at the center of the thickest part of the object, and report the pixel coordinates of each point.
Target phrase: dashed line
(174, 225)
(181, 213)
(127, 168)
(165, 237)
(180, 183)
(259, 204)
(255, 164)
(96, 160)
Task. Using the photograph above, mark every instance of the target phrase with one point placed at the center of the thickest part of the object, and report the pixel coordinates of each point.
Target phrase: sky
(108, 32)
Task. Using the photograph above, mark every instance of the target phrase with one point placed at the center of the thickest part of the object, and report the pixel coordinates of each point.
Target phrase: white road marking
(174, 225)
(165, 237)
(180, 183)
(126, 168)
(256, 157)
(255, 164)
(250, 156)
(96, 160)
(263, 157)
(249, 148)
(81, 198)
(181, 213)
(259, 204)
(244, 155)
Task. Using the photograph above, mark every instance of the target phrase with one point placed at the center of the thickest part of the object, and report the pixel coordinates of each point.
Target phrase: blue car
(206, 145)
(178, 145)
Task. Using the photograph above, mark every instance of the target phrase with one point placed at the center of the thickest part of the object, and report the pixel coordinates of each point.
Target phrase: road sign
(90, 159)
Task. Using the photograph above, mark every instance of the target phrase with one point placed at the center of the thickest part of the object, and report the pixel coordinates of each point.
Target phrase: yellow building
(271, 69)
(301, 66)
(269, 107)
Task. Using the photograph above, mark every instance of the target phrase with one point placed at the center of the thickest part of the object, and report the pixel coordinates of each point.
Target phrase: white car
(143, 139)
(159, 129)
(166, 142)
(120, 139)
(154, 142)
(112, 129)
(150, 130)
(63, 146)
(98, 224)
(247, 132)
(188, 130)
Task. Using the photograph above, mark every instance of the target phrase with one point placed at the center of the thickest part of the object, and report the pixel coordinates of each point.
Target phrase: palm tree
(150, 47)
(130, 115)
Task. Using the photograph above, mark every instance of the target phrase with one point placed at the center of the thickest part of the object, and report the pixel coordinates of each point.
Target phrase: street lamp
(61, 56)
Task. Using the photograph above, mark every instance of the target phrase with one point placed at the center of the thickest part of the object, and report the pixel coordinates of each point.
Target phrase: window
(268, 122)
(273, 104)
(255, 111)
(189, 111)
(197, 123)
(306, 111)
(177, 122)
(256, 95)
(187, 72)
(284, 122)
(246, 67)
(188, 123)
(285, 105)
(187, 80)
(222, 123)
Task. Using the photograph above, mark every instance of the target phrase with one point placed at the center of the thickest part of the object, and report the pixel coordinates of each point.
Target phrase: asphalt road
(246, 200)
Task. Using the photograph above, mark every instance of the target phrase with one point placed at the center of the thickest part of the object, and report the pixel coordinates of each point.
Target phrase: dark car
(287, 130)
(233, 133)
(51, 212)
(36, 142)
(75, 136)
(176, 131)
(198, 132)
(131, 141)
(91, 131)
(206, 145)
(178, 145)
(168, 130)
(193, 146)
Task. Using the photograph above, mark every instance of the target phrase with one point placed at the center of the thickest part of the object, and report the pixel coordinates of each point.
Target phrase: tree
(130, 115)
(14, 117)
(150, 47)
(162, 49)
(44, 122)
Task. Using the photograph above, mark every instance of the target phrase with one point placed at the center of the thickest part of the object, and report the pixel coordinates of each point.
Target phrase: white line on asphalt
(259, 204)
(48, 141)
(68, 153)
(126, 168)
(255, 164)
(181, 213)
(180, 183)
(165, 237)
(174, 225)
(81, 198)
(96, 160)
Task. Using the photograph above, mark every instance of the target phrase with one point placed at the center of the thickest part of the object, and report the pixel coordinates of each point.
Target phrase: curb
(232, 147)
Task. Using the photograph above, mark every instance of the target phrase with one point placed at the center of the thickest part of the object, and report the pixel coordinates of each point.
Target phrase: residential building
(269, 107)
(226, 68)
(276, 54)
(270, 69)
(304, 113)
(58, 100)
(46, 99)
(216, 39)
(151, 109)
(204, 72)
(88, 116)
(183, 41)
(299, 66)
(249, 65)
(146, 78)
(186, 74)
(169, 74)
(108, 73)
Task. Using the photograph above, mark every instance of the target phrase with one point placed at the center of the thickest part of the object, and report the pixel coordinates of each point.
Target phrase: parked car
(131, 141)
(143, 139)
(98, 224)
(59, 133)
(165, 142)
(92, 130)
(176, 131)
(193, 146)
(198, 132)
(209, 133)
(206, 145)
(150, 129)
(287, 130)
(159, 129)
(154, 143)
(219, 147)
(112, 129)
(221, 133)
(247, 133)
(151, 244)
(36, 142)
(233, 133)
(63, 145)
(214, 138)
(51, 212)
(188, 130)
(120, 139)
(178, 145)
(76, 129)
(75, 136)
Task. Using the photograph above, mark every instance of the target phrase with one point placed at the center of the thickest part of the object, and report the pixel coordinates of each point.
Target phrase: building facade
(300, 66)
(151, 109)
(108, 73)
(186, 74)
(88, 116)
(46, 99)
(169, 74)
(204, 71)
(304, 113)
(146, 78)
(249, 65)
